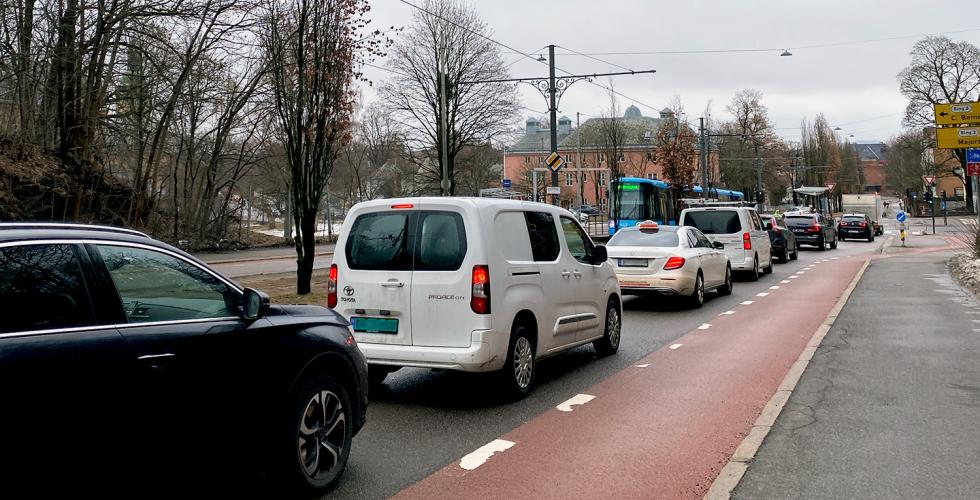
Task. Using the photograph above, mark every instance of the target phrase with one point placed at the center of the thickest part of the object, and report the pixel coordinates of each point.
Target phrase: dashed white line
(644, 365)
(727, 313)
(704, 326)
(578, 399)
(785, 282)
(483, 453)
(834, 258)
(774, 287)
(676, 346)
(747, 302)
(762, 294)
(793, 277)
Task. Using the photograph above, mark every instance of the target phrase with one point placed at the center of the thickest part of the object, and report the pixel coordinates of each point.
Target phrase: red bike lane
(666, 429)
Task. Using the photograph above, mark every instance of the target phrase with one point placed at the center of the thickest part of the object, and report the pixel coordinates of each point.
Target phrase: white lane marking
(643, 365)
(785, 282)
(483, 453)
(676, 346)
(704, 326)
(747, 302)
(793, 277)
(774, 287)
(727, 313)
(578, 399)
(762, 294)
(834, 258)
(975, 320)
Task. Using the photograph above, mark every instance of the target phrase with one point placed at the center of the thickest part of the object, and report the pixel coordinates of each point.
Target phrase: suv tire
(320, 413)
(821, 244)
(519, 369)
(612, 334)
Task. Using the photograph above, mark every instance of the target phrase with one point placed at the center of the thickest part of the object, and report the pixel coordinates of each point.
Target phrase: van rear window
(714, 221)
(442, 245)
(381, 241)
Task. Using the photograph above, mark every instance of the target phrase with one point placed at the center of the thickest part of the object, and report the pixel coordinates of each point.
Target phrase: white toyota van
(472, 284)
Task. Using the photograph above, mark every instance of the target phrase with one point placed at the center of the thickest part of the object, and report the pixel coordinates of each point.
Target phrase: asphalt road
(422, 420)
(888, 406)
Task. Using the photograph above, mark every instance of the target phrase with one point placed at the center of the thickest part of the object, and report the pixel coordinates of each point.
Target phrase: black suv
(784, 245)
(856, 226)
(124, 360)
(812, 229)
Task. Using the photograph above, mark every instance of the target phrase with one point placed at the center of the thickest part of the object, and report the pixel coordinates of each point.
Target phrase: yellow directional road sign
(554, 162)
(958, 137)
(962, 113)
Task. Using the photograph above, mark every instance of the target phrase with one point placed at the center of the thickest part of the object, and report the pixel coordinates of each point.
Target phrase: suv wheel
(518, 372)
(821, 244)
(609, 343)
(833, 244)
(726, 289)
(871, 235)
(696, 300)
(796, 251)
(319, 437)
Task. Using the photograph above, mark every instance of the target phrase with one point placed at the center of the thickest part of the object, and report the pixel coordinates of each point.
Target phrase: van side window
(579, 243)
(381, 241)
(442, 245)
(544, 237)
(510, 231)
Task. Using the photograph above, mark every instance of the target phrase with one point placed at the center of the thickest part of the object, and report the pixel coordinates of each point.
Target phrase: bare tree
(448, 38)
(676, 151)
(941, 71)
(314, 49)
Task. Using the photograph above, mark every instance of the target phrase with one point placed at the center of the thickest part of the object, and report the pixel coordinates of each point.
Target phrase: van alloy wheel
(613, 326)
(523, 362)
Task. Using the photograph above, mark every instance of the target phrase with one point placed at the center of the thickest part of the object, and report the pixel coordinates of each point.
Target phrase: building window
(569, 180)
(652, 176)
(541, 159)
(600, 157)
(527, 159)
(568, 159)
(602, 178)
(647, 134)
(649, 156)
(621, 158)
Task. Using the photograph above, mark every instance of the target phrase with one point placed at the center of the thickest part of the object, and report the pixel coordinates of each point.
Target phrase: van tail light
(746, 241)
(332, 287)
(480, 300)
(674, 263)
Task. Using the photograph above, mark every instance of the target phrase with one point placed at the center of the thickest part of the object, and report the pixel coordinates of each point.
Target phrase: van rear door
(375, 287)
(443, 278)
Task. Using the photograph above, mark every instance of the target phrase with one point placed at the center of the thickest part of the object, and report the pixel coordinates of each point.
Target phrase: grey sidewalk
(258, 253)
(890, 405)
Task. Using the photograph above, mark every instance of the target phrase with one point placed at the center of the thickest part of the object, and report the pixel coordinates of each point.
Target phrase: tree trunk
(305, 249)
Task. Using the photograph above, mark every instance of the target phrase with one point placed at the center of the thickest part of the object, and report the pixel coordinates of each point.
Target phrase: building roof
(640, 133)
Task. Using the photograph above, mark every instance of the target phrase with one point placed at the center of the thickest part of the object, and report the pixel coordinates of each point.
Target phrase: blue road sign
(973, 155)
(900, 216)
(505, 183)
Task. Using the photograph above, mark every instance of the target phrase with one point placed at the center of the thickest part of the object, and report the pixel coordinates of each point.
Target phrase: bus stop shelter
(818, 197)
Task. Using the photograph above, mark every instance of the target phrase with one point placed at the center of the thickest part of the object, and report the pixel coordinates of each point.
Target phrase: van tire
(768, 269)
(754, 273)
(612, 331)
(520, 368)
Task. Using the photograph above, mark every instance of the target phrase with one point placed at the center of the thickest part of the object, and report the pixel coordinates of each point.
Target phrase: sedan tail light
(480, 300)
(332, 287)
(862, 224)
(674, 263)
(746, 241)
(815, 228)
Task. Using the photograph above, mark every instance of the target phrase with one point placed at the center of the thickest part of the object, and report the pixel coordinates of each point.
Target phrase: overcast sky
(853, 85)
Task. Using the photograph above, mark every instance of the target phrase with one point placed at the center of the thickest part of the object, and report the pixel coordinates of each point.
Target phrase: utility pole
(443, 64)
(553, 116)
(758, 167)
(578, 159)
(704, 160)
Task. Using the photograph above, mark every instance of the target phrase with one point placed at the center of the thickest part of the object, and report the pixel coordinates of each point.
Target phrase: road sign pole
(933, 190)
(553, 115)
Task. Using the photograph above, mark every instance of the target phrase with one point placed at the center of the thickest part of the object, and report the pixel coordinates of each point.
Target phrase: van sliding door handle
(577, 273)
(393, 284)
(565, 273)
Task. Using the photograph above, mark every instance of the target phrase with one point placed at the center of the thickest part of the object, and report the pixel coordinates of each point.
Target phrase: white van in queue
(740, 230)
(472, 284)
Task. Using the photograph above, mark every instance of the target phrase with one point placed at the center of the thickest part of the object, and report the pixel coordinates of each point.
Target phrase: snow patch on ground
(965, 268)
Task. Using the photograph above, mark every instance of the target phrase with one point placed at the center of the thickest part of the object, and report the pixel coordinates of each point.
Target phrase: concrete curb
(256, 259)
(731, 474)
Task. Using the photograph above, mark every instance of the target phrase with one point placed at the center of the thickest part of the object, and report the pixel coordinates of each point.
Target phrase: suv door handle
(577, 273)
(565, 273)
(393, 284)
(157, 361)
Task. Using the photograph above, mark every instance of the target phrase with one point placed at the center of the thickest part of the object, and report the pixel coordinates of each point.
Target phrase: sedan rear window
(800, 220)
(636, 238)
(854, 219)
(714, 221)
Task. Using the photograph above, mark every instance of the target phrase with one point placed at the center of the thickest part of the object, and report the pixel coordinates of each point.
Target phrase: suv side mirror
(256, 304)
(600, 255)
(717, 245)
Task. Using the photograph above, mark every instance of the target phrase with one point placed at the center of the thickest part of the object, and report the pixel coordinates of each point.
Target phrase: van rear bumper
(487, 352)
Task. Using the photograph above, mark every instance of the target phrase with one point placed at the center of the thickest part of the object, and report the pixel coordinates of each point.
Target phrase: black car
(126, 361)
(783, 240)
(856, 226)
(812, 229)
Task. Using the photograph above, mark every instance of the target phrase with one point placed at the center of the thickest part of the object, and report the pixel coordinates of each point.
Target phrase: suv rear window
(635, 238)
(41, 288)
(406, 241)
(800, 220)
(852, 218)
(381, 241)
(714, 221)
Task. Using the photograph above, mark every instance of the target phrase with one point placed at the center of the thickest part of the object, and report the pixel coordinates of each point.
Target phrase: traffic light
(760, 196)
(927, 197)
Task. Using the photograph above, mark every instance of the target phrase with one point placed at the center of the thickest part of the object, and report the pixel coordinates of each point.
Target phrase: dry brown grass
(282, 288)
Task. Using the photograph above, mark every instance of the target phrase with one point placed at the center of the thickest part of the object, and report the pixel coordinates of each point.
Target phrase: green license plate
(374, 325)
